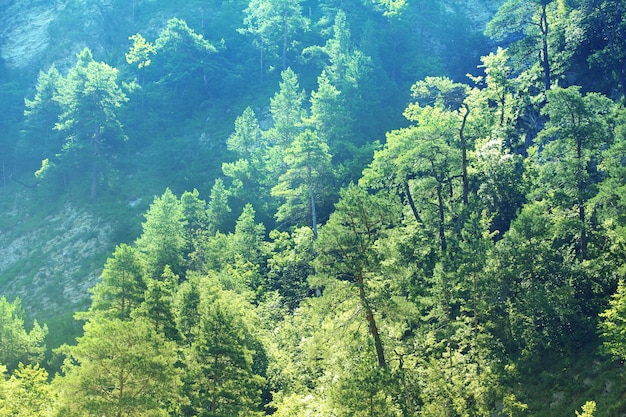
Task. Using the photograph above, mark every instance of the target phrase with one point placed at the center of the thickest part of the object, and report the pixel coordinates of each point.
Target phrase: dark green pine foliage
(158, 304)
(19, 346)
(291, 264)
(181, 70)
(90, 99)
(571, 143)
(122, 286)
(606, 39)
(163, 239)
(42, 113)
(224, 360)
(303, 186)
(346, 247)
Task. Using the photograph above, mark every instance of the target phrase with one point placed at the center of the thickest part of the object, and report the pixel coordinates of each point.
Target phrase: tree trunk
(94, 181)
(409, 197)
(543, 26)
(312, 202)
(464, 155)
(95, 143)
(582, 251)
(442, 232)
(373, 328)
(285, 40)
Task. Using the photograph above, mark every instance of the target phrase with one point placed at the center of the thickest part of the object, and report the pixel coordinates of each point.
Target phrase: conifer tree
(162, 241)
(42, 112)
(224, 361)
(119, 368)
(305, 182)
(16, 344)
(27, 393)
(346, 247)
(122, 287)
(90, 98)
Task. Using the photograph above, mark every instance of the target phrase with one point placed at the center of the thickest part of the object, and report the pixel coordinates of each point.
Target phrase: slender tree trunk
(582, 252)
(95, 143)
(442, 232)
(312, 202)
(285, 39)
(94, 181)
(409, 197)
(121, 395)
(464, 154)
(543, 26)
(502, 104)
(369, 315)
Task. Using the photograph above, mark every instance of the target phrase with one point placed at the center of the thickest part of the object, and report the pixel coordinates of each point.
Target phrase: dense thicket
(477, 259)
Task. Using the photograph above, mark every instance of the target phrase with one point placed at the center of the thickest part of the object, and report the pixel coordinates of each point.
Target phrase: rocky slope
(35, 33)
(50, 260)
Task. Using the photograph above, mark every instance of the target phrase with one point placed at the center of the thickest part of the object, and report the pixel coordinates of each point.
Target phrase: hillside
(292, 207)
(36, 35)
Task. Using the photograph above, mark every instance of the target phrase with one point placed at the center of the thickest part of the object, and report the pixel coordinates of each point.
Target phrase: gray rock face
(61, 243)
(34, 31)
(479, 12)
(24, 35)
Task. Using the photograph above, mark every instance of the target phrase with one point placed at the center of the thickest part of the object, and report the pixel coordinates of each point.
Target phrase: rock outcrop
(35, 33)
(48, 260)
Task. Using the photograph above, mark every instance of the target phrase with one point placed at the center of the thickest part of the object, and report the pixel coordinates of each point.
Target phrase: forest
(369, 208)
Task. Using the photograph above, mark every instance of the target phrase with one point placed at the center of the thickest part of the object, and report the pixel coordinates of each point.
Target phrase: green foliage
(122, 287)
(158, 304)
(182, 54)
(119, 368)
(140, 52)
(90, 98)
(42, 112)
(224, 361)
(273, 23)
(287, 110)
(302, 185)
(218, 208)
(290, 264)
(587, 409)
(500, 190)
(329, 114)
(16, 344)
(611, 326)
(463, 276)
(605, 23)
(346, 247)
(26, 393)
(163, 237)
(537, 287)
(246, 140)
(578, 127)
